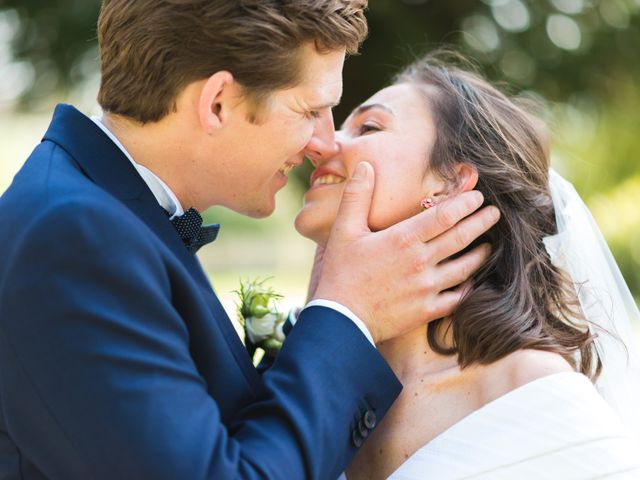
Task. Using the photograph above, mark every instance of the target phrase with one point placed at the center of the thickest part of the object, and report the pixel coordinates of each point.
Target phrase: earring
(428, 203)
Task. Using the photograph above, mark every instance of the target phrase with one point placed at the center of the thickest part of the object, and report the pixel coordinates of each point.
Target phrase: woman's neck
(410, 355)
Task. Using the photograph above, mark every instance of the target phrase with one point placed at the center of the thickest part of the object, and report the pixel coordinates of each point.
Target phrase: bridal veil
(580, 249)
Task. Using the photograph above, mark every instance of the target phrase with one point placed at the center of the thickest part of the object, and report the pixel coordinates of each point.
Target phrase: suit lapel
(107, 166)
(156, 219)
(103, 162)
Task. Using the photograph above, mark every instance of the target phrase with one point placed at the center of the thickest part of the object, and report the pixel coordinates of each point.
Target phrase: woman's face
(394, 132)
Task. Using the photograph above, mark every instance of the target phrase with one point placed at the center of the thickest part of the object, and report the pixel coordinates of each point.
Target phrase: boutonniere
(259, 316)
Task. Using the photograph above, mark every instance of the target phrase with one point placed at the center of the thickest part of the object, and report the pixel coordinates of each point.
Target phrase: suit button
(356, 439)
(362, 429)
(370, 419)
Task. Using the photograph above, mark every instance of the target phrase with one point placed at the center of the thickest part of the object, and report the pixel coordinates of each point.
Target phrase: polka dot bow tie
(193, 234)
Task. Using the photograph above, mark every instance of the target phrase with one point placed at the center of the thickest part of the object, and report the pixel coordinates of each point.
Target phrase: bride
(529, 378)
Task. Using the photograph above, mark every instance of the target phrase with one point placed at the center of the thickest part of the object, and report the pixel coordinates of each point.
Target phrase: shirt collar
(161, 191)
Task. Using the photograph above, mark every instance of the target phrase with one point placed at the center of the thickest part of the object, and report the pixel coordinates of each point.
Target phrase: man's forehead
(327, 98)
(323, 76)
(324, 94)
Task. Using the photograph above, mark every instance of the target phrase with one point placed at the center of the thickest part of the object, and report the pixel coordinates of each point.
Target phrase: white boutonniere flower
(259, 316)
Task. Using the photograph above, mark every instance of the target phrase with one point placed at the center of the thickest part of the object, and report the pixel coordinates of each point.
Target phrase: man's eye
(368, 128)
(313, 114)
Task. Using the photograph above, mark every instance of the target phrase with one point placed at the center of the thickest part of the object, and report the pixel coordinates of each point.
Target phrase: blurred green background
(579, 58)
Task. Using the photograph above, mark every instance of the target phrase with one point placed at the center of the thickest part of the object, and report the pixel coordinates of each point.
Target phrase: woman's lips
(325, 176)
(328, 179)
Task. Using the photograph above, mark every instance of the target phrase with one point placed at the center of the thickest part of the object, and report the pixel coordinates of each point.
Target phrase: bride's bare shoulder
(524, 366)
(517, 369)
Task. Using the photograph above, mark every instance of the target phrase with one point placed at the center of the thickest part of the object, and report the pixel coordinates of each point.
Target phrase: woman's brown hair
(519, 299)
(151, 49)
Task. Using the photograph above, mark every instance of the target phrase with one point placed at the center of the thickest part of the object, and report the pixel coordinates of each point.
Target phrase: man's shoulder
(51, 204)
(48, 177)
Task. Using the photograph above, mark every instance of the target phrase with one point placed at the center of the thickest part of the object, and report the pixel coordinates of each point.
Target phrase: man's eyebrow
(326, 105)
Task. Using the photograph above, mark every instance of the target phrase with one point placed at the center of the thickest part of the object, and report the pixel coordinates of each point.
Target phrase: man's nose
(323, 141)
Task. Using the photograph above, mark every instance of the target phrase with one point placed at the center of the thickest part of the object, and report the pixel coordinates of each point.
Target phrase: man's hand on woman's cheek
(397, 279)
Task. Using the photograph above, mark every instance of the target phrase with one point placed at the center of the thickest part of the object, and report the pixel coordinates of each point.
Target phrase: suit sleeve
(97, 381)
(268, 358)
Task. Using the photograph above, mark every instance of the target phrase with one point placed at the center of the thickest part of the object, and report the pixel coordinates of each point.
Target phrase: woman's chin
(312, 226)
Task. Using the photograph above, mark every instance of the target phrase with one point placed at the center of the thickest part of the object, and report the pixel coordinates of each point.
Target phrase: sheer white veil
(580, 249)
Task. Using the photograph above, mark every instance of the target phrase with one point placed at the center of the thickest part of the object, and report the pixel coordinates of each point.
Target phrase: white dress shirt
(165, 197)
(168, 200)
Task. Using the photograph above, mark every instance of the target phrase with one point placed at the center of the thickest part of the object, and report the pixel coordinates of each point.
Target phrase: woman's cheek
(392, 202)
(382, 206)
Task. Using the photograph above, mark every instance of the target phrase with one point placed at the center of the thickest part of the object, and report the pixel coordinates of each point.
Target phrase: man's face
(295, 123)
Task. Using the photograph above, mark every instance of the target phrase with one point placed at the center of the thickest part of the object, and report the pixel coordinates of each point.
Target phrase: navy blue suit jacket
(117, 360)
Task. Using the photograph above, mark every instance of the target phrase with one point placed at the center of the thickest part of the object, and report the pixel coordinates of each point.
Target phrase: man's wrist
(319, 302)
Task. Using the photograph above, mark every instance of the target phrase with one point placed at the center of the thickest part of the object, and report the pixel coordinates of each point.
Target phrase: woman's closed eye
(368, 127)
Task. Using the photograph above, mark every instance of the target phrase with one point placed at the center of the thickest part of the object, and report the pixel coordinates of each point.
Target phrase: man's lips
(287, 168)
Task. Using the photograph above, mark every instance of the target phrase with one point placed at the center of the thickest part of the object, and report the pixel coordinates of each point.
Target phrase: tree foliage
(581, 56)
(596, 42)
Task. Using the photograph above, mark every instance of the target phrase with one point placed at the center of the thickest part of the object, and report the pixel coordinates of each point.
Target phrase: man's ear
(467, 176)
(214, 100)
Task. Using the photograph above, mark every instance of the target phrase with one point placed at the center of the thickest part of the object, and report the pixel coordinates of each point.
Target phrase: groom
(117, 360)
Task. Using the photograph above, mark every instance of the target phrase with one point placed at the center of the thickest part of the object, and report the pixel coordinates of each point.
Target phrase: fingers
(443, 305)
(356, 200)
(465, 288)
(455, 272)
(464, 233)
(434, 222)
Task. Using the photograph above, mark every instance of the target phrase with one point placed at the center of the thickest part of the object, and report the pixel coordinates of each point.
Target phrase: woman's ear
(467, 176)
(438, 189)
(214, 98)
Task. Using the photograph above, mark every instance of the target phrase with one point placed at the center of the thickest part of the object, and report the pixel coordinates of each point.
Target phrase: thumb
(354, 209)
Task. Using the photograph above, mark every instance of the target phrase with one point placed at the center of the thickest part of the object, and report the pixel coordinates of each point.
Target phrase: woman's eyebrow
(363, 108)
(366, 107)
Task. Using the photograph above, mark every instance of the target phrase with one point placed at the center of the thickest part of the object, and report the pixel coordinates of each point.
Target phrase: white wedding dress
(556, 427)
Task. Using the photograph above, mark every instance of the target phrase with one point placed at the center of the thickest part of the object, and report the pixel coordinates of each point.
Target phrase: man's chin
(257, 211)
(259, 214)
(262, 211)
